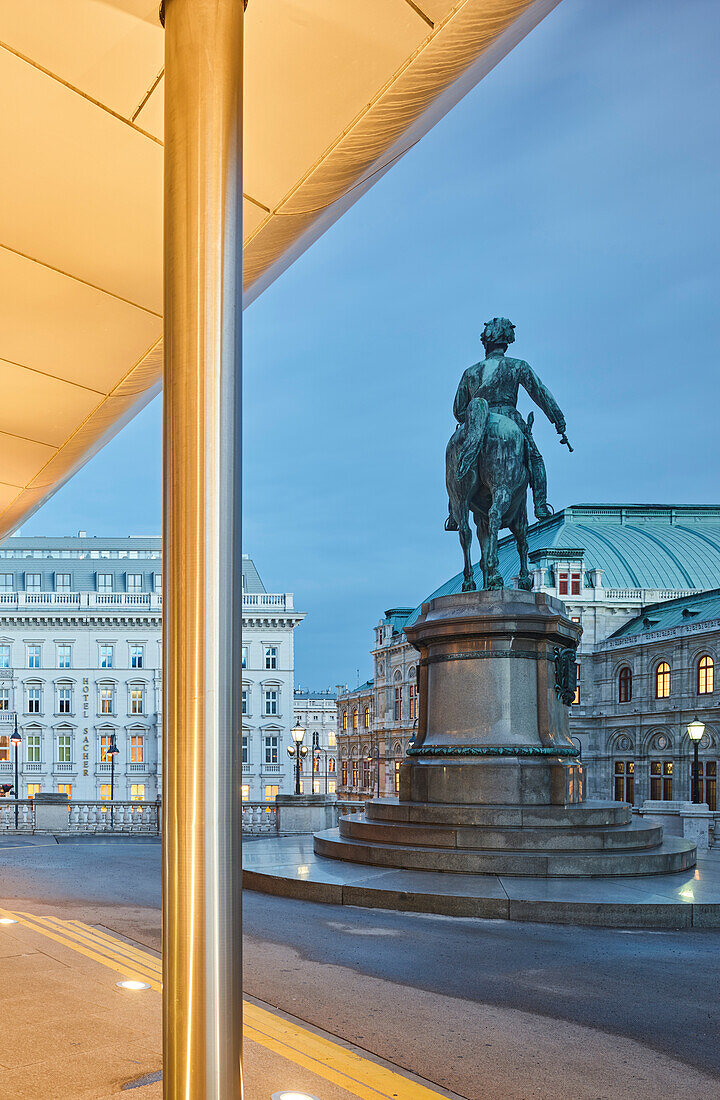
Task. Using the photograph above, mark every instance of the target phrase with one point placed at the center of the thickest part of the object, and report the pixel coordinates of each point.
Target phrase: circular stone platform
(289, 867)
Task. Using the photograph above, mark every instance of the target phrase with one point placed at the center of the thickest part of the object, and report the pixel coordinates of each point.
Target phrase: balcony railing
(275, 601)
(80, 599)
(26, 815)
(345, 808)
(115, 817)
(259, 817)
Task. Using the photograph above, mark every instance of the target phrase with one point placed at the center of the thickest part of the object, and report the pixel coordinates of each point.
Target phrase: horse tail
(476, 421)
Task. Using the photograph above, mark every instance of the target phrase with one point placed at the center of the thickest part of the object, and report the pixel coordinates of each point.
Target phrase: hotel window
(106, 656)
(6, 582)
(366, 718)
(4, 656)
(705, 677)
(64, 700)
(344, 720)
(63, 582)
(245, 749)
(246, 792)
(137, 656)
(355, 719)
(661, 780)
(34, 699)
(624, 788)
(625, 689)
(64, 656)
(33, 656)
(137, 748)
(33, 582)
(244, 656)
(104, 792)
(413, 701)
(105, 582)
(64, 748)
(33, 789)
(331, 786)
(134, 582)
(270, 697)
(397, 708)
(5, 746)
(65, 788)
(271, 750)
(331, 739)
(271, 656)
(4, 699)
(662, 680)
(105, 742)
(157, 581)
(137, 792)
(107, 700)
(33, 748)
(137, 700)
(271, 792)
(245, 701)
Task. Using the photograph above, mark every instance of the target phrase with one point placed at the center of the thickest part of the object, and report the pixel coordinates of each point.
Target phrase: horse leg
(495, 517)
(466, 543)
(482, 534)
(519, 528)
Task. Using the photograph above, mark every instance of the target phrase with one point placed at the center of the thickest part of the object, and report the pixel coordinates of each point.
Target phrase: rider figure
(497, 379)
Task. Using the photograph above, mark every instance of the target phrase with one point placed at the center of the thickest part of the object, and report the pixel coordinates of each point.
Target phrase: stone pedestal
(304, 813)
(492, 782)
(494, 691)
(679, 818)
(51, 812)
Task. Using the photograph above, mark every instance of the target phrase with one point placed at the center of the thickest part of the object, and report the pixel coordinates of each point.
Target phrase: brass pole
(202, 990)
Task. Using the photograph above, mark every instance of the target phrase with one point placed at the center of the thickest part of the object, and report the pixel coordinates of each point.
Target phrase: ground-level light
(7, 920)
(133, 985)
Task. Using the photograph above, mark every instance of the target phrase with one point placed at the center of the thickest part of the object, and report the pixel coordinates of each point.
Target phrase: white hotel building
(81, 661)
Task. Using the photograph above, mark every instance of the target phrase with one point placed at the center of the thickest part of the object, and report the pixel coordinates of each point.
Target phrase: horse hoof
(525, 584)
(469, 586)
(495, 581)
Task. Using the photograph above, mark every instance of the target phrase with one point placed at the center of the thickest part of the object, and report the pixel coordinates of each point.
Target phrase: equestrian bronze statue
(491, 457)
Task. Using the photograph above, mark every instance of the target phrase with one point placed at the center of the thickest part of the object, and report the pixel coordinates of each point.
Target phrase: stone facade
(317, 713)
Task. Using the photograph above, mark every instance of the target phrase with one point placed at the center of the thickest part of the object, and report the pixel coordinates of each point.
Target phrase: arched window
(662, 680)
(367, 718)
(355, 719)
(625, 685)
(344, 719)
(705, 676)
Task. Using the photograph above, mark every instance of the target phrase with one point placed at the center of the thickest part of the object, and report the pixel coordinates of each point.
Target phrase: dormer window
(569, 584)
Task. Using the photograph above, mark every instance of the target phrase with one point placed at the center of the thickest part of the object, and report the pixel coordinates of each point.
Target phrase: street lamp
(16, 740)
(298, 750)
(695, 730)
(112, 752)
(317, 753)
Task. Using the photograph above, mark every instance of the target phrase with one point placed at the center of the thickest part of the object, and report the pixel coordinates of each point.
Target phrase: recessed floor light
(133, 985)
(292, 1096)
(7, 920)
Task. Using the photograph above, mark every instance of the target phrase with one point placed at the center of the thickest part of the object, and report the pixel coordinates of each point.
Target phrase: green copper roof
(669, 547)
(671, 613)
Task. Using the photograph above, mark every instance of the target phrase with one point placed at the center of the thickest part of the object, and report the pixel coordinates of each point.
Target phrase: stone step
(531, 838)
(673, 854)
(583, 814)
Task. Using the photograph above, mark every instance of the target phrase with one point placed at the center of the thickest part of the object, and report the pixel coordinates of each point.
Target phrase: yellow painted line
(357, 1074)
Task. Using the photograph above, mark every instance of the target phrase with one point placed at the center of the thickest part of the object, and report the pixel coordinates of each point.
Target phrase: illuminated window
(344, 773)
(316, 786)
(271, 792)
(366, 719)
(137, 792)
(576, 696)
(355, 719)
(331, 786)
(65, 788)
(624, 690)
(707, 783)
(705, 677)
(105, 740)
(137, 748)
(64, 748)
(245, 792)
(624, 787)
(344, 720)
(5, 746)
(32, 748)
(331, 739)
(104, 792)
(137, 700)
(4, 698)
(33, 656)
(33, 789)
(355, 773)
(397, 777)
(661, 780)
(366, 773)
(662, 680)
(331, 765)
(137, 656)
(271, 656)
(397, 707)
(412, 701)
(107, 700)
(106, 656)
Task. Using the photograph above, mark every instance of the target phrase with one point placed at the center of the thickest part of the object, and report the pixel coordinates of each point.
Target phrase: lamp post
(16, 740)
(112, 752)
(317, 753)
(695, 730)
(298, 750)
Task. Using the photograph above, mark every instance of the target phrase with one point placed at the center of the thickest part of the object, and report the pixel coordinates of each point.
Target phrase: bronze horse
(494, 489)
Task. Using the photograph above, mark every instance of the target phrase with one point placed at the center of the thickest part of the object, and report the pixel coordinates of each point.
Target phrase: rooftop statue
(491, 457)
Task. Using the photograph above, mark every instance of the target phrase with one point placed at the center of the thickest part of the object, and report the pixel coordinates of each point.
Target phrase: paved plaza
(476, 1008)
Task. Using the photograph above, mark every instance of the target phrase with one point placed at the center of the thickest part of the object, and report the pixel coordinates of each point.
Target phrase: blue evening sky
(575, 190)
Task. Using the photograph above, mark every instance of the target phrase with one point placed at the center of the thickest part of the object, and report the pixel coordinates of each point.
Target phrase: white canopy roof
(335, 92)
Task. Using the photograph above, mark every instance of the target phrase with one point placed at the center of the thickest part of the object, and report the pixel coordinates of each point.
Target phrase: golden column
(202, 992)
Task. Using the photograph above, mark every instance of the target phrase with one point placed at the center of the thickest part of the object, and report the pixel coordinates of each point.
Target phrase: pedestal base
(493, 780)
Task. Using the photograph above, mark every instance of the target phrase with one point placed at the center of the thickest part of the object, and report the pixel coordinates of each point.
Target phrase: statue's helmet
(498, 331)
